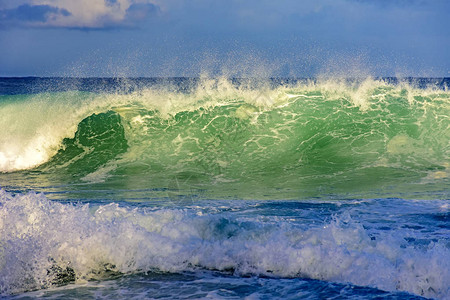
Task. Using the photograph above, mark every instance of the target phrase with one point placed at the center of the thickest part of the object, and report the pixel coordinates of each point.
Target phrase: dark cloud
(31, 13)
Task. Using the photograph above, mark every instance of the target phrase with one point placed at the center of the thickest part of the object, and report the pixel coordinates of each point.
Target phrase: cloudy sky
(224, 37)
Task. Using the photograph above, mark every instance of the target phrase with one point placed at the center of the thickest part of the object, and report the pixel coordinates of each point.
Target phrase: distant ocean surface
(224, 188)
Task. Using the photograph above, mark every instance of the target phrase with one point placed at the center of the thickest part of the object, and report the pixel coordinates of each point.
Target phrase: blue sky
(224, 37)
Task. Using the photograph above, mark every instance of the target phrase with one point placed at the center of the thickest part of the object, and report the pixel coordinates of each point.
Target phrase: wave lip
(46, 243)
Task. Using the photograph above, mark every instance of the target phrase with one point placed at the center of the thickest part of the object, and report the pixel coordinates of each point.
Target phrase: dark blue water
(35, 85)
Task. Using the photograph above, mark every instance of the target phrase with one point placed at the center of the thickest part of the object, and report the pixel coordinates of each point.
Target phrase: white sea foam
(39, 236)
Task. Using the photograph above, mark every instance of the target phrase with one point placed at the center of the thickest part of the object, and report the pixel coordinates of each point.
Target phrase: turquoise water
(224, 188)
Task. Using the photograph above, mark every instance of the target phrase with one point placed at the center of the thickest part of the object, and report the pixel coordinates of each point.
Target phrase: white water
(36, 234)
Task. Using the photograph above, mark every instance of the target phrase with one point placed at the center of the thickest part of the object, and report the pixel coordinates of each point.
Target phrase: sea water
(224, 188)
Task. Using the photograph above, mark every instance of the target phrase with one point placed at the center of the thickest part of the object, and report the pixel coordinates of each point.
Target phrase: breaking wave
(337, 135)
(46, 243)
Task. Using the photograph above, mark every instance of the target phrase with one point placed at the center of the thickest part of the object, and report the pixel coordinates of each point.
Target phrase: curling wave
(333, 135)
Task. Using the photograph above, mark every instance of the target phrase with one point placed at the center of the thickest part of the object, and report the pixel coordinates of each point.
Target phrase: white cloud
(80, 13)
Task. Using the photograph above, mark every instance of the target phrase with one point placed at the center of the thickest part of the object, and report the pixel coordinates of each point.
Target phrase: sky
(235, 38)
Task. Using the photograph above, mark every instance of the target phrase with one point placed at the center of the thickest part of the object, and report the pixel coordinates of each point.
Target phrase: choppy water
(224, 188)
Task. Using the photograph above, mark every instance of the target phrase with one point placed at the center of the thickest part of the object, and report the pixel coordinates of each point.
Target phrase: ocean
(224, 188)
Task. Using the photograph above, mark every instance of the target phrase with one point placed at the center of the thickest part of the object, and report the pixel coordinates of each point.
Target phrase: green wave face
(310, 144)
(307, 141)
(99, 138)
